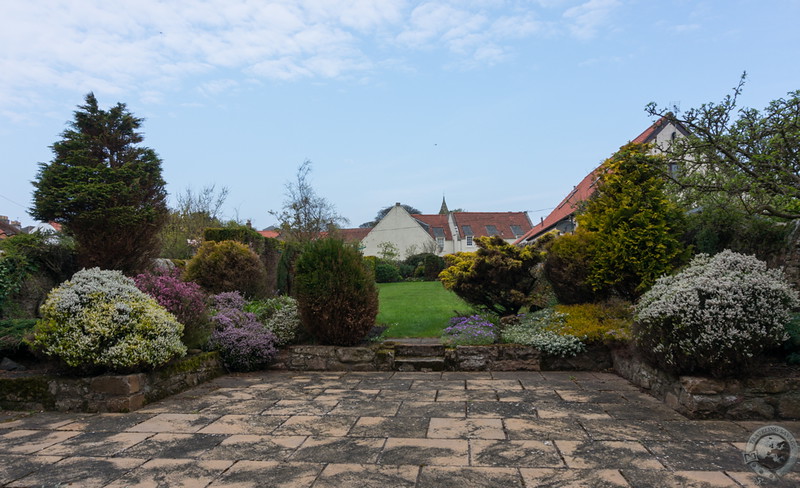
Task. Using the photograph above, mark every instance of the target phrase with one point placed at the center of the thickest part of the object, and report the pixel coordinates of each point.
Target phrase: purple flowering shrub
(184, 300)
(228, 299)
(469, 331)
(244, 343)
(246, 348)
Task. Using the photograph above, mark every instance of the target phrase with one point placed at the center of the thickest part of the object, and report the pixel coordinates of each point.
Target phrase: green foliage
(792, 345)
(718, 226)
(387, 273)
(385, 210)
(105, 189)
(14, 269)
(567, 266)
(498, 278)
(13, 333)
(289, 252)
(227, 266)
(279, 315)
(336, 293)
(744, 154)
(636, 225)
(537, 329)
(716, 316)
(47, 256)
(100, 320)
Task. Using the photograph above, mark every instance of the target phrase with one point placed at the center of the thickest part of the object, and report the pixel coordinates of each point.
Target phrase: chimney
(3, 219)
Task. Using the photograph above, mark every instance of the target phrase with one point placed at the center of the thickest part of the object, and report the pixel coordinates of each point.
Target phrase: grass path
(417, 309)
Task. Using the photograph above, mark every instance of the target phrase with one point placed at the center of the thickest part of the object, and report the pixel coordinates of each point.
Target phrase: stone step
(410, 363)
(419, 350)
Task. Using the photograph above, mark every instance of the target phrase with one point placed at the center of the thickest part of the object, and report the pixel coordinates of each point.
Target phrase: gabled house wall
(401, 229)
(441, 233)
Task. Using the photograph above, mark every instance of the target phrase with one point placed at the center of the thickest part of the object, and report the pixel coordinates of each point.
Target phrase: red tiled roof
(584, 190)
(435, 221)
(567, 207)
(272, 234)
(354, 235)
(501, 220)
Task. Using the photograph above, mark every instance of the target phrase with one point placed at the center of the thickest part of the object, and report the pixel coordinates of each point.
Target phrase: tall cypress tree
(104, 189)
(636, 225)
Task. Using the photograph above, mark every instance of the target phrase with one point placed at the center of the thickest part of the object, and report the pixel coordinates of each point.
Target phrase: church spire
(444, 210)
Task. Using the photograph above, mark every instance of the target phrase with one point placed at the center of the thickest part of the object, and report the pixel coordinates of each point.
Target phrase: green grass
(417, 309)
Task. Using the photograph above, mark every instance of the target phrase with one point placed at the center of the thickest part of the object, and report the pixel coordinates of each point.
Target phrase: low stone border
(707, 398)
(108, 393)
(496, 357)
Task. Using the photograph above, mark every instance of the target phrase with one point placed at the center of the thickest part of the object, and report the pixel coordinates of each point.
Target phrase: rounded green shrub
(387, 273)
(567, 266)
(716, 316)
(99, 320)
(336, 293)
(228, 266)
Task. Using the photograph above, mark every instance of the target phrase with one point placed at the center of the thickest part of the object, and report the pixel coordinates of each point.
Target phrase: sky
(496, 105)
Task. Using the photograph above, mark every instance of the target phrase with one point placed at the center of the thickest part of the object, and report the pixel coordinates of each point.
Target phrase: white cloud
(587, 18)
(151, 47)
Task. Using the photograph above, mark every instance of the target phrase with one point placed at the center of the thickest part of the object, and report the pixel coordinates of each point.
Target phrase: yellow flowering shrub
(601, 322)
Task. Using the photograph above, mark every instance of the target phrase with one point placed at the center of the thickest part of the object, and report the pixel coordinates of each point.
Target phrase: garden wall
(768, 397)
(382, 357)
(107, 393)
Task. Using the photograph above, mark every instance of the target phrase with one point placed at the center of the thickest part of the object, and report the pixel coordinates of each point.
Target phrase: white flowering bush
(716, 316)
(279, 315)
(538, 330)
(100, 320)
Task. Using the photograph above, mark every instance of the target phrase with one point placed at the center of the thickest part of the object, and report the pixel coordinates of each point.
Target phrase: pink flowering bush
(716, 316)
(246, 348)
(244, 343)
(184, 300)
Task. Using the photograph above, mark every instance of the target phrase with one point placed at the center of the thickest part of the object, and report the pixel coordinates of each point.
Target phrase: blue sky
(499, 105)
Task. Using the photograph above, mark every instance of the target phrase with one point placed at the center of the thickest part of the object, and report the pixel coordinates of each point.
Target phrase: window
(517, 230)
(440, 243)
(491, 230)
(469, 241)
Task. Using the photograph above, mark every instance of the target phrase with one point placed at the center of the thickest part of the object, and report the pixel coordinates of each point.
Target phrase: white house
(443, 233)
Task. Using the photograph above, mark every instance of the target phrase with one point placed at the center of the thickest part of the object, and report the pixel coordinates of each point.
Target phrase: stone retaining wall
(381, 357)
(107, 393)
(707, 398)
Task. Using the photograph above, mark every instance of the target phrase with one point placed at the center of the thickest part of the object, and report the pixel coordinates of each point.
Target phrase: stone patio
(385, 429)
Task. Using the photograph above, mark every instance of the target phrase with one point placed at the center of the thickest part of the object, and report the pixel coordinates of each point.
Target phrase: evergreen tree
(105, 189)
(637, 227)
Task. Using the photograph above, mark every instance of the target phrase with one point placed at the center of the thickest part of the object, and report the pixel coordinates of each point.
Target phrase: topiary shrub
(184, 300)
(716, 316)
(279, 315)
(99, 320)
(336, 293)
(228, 266)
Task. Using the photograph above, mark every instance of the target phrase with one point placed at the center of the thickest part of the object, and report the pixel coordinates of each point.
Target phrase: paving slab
(385, 429)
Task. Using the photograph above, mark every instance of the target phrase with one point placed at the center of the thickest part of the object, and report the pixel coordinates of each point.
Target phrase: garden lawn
(418, 308)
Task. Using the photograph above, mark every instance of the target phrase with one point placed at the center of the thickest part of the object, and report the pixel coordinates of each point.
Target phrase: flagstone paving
(321, 429)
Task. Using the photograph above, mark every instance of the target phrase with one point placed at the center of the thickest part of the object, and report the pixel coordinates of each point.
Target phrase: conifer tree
(104, 188)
